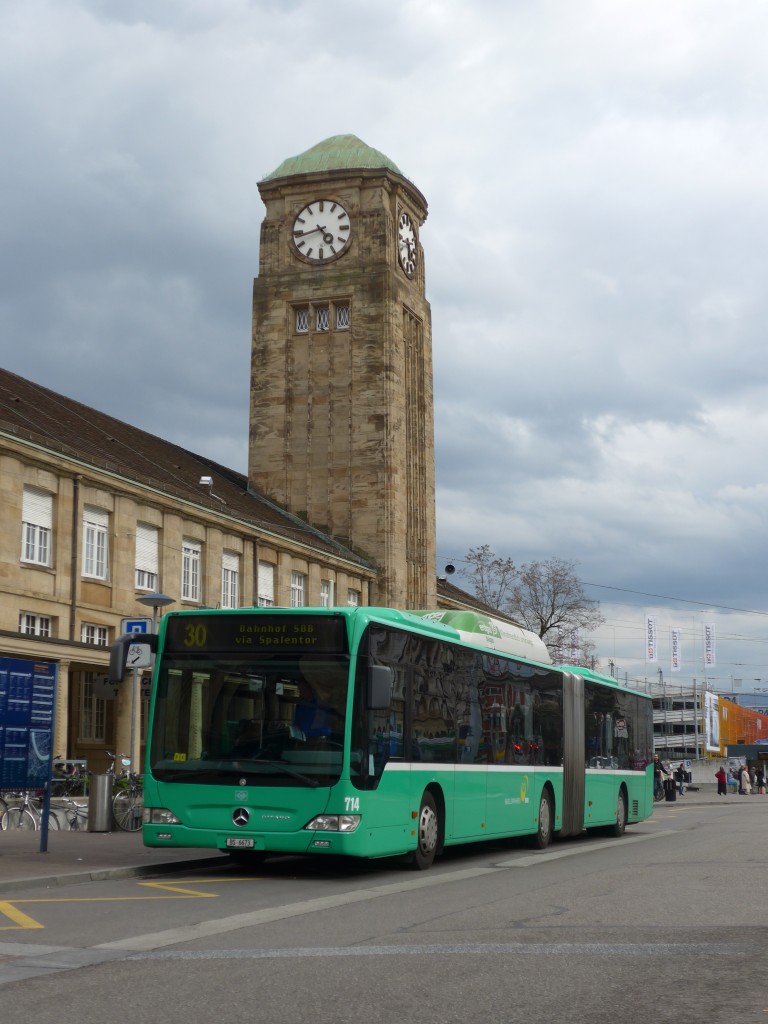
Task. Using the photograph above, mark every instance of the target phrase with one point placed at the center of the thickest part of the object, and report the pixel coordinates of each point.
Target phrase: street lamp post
(155, 602)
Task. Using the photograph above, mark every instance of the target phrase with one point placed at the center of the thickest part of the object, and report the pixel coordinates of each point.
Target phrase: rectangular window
(353, 598)
(93, 712)
(191, 555)
(36, 526)
(322, 318)
(34, 625)
(298, 580)
(265, 587)
(147, 557)
(95, 543)
(230, 580)
(326, 593)
(91, 634)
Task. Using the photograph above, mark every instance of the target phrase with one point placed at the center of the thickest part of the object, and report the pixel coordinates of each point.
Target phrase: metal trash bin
(670, 790)
(100, 803)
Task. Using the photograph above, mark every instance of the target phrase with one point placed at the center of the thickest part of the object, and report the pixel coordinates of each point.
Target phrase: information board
(27, 706)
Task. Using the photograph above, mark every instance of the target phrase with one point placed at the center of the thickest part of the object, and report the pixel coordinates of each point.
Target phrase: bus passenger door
(388, 771)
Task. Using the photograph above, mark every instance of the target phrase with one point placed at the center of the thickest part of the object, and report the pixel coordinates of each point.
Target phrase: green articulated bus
(371, 732)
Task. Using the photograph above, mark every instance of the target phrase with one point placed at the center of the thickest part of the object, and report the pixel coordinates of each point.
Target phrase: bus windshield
(268, 719)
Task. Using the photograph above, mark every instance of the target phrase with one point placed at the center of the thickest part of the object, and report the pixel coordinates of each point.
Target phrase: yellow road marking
(20, 919)
(9, 908)
(191, 881)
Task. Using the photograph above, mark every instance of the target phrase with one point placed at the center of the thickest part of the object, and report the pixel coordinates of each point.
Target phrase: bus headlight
(159, 816)
(334, 823)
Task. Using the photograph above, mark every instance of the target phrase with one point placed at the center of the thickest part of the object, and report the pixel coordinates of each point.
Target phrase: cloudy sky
(597, 179)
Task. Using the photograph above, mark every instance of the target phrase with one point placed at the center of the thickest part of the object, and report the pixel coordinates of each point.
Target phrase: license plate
(239, 844)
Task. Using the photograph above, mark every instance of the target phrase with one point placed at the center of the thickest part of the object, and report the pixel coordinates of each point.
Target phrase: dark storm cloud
(598, 206)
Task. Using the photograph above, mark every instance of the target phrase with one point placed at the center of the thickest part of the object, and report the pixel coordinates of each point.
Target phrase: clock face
(321, 231)
(406, 244)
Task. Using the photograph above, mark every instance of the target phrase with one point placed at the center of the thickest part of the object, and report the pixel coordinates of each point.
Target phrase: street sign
(135, 625)
(139, 656)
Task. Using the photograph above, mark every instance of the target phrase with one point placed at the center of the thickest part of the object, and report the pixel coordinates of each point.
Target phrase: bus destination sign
(256, 633)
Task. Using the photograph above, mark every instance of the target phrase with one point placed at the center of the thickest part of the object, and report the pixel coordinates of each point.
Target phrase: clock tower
(341, 417)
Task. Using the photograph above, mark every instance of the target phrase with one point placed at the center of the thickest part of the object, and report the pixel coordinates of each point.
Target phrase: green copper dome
(340, 152)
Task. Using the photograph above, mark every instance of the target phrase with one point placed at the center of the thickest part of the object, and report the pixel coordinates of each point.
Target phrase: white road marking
(205, 929)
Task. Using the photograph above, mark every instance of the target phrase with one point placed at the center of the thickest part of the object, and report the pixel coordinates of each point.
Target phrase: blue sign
(135, 625)
(27, 707)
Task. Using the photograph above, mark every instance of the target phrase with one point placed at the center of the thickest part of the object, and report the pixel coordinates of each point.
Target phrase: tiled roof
(64, 426)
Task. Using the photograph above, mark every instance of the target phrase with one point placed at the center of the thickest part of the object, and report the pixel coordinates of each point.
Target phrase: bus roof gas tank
(495, 634)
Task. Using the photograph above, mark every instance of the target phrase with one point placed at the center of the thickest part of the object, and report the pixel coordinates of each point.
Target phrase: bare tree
(546, 597)
(493, 578)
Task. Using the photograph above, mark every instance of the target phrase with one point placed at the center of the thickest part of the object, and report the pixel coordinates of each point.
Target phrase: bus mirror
(131, 650)
(380, 679)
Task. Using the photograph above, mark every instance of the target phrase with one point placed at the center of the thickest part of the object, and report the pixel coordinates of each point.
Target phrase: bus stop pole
(45, 817)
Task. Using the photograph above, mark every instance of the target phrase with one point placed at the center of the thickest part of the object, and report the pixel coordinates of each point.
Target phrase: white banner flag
(709, 645)
(651, 645)
(676, 652)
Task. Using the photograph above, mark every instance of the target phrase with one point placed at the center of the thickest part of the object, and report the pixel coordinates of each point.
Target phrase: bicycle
(128, 798)
(69, 778)
(125, 761)
(75, 815)
(27, 815)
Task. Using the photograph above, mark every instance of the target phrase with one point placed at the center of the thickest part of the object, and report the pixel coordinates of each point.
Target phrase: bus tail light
(334, 823)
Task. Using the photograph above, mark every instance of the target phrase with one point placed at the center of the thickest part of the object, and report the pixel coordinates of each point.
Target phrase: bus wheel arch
(430, 829)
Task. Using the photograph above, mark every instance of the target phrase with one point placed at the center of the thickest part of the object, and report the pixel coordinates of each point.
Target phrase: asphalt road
(666, 924)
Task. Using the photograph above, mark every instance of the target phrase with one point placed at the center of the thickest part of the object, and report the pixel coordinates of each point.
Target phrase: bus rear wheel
(543, 836)
(617, 829)
(428, 835)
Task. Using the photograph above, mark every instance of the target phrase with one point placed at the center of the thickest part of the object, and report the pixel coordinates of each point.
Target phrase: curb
(104, 874)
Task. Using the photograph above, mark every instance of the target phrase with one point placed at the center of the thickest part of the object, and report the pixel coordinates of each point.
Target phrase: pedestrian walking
(745, 785)
(760, 779)
(659, 775)
(722, 781)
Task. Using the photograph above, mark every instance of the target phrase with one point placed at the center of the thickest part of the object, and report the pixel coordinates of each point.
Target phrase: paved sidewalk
(85, 856)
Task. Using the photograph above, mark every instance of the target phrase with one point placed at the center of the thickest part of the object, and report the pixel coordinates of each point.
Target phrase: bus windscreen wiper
(281, 767)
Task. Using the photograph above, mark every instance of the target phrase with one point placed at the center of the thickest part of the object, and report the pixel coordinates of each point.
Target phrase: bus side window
(385, 737)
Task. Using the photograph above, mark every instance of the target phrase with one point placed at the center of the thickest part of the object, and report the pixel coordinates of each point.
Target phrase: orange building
(741, 726)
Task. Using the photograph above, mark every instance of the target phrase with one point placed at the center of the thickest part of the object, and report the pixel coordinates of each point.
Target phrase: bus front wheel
(428, 834)
(543, 834)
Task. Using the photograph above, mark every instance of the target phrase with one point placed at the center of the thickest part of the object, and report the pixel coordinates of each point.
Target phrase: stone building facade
(96, 513)
(341, 429)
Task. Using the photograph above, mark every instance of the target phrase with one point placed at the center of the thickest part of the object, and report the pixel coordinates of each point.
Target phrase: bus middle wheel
(543, 835)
